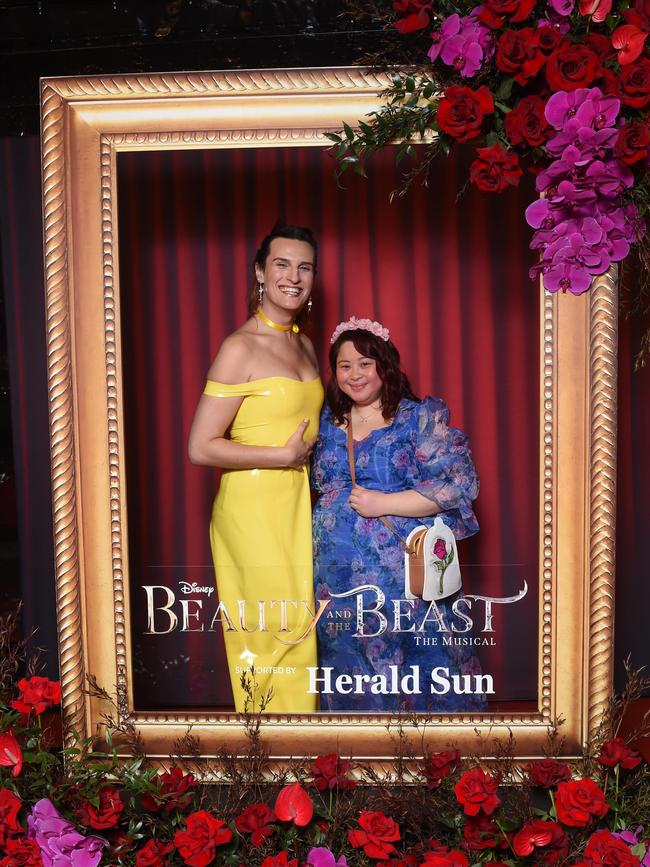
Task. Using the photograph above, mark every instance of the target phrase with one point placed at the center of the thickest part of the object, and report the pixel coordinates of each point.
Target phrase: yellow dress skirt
(261, 540)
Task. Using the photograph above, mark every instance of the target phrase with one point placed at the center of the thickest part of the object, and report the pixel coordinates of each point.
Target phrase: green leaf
(359, 170)
(505, 89)
(333, 136)
(410, 83)
(492, 138)
(501, 106)
(429, 90)
(349, 133)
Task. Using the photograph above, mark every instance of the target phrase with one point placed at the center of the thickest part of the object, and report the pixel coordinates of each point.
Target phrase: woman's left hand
(367, 503)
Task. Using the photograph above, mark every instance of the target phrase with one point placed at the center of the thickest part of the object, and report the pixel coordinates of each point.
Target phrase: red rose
(600, 45)
(480, 832)
(9, 808)
(534, 835)
(175, 792)
(616, 751)
(416, 14)
(579, 802)
(495, 169)
(461, 110)
(440, 765)
(571, 66)
(106, 814)
(518, 54)
(548, 39)
(604, 848)
(153, 854)
(37, 695)
(377, 836)
(494, 13)
(22, 853)
(255, 820)
(476, 792)
(329, 772)
(632, 144)
(293, 804)
(11, 756)
(197, 845)
(634, 83)
(440, 549)
(281, 860)
(453, 858)
(526, 123)
(548, 772)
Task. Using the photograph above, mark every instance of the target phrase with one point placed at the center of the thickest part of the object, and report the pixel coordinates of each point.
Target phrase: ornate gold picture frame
(85, 123)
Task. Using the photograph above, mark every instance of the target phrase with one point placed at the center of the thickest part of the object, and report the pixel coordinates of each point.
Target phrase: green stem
(506, 838)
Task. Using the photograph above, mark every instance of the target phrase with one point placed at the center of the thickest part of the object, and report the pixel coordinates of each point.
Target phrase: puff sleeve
(445, 469)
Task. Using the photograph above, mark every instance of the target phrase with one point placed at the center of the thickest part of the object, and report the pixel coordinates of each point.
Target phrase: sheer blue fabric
(404, 638)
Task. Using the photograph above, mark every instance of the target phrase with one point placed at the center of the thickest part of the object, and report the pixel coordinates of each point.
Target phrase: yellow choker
(265, 319)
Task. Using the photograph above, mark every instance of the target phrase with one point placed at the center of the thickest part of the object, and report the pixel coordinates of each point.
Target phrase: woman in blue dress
(377, 650)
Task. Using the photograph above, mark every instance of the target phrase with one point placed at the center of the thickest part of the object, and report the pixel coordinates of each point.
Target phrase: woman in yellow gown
(258, 420)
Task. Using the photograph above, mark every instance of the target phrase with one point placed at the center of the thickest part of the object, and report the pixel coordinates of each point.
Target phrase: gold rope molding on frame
(603, 370)
(266, 81)
(86, 122)
(61, 411)
(112, 409)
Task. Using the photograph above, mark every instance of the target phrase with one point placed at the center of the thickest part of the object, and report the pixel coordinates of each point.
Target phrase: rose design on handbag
(441, 559)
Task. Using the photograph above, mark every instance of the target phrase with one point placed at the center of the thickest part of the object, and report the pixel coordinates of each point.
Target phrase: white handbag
(431, 567)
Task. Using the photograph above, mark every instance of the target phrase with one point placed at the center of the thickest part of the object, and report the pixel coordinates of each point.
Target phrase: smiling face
(357, 376)
(287, 275)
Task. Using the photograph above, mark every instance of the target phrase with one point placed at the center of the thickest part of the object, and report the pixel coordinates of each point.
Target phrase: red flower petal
(293, 804)
(628, 41)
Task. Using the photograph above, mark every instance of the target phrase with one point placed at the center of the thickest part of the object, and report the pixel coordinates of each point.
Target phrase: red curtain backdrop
(193, 219)
(448, 278)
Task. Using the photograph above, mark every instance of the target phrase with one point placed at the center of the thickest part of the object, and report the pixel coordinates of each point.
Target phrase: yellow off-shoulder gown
(261, 540)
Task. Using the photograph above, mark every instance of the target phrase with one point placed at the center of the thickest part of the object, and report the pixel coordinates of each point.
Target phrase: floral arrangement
(557, 88)
(82, 807)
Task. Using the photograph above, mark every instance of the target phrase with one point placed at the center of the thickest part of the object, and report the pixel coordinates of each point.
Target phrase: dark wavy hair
(280, 230)
(395, 382)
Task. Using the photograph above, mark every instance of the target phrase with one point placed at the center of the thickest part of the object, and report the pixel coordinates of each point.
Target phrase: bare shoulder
(232, 363)
(308, 349)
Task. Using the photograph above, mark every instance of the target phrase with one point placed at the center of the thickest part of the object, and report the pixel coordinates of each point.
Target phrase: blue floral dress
(377, 653)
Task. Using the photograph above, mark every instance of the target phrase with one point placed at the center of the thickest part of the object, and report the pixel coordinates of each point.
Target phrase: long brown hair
(395, 384)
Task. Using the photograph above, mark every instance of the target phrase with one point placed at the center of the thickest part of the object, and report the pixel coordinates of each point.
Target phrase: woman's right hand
(297, 449)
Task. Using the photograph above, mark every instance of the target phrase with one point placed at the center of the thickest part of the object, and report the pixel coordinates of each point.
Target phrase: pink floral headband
(354, 324)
